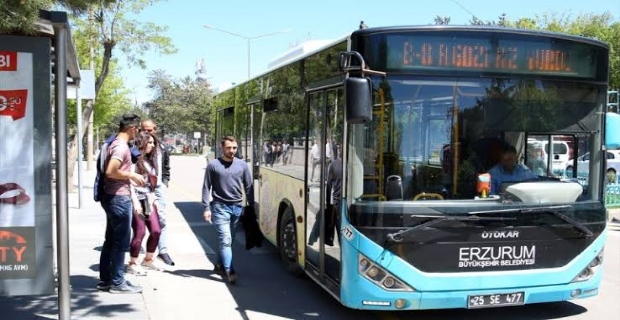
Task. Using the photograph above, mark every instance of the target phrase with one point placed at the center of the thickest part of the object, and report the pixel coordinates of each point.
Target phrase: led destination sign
(540, 56)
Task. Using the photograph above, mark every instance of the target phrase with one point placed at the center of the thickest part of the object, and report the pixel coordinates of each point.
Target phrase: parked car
(583, 166)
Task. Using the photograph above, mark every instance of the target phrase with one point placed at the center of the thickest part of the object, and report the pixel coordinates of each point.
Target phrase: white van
(561, 153)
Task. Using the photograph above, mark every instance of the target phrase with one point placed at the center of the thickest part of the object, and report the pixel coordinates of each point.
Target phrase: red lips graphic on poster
(13, 103)
(20, 198)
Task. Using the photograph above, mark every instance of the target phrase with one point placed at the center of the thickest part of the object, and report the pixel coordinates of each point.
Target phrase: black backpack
(99, 185)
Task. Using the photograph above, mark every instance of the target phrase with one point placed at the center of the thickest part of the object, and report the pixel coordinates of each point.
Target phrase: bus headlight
(389, 282)
(373, 272)
(380, 276)
(592, 267)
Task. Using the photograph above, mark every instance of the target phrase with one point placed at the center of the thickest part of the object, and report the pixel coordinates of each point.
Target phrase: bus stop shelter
(33, 135)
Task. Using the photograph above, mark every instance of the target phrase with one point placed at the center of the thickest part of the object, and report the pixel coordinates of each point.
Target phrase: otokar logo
(500, 234)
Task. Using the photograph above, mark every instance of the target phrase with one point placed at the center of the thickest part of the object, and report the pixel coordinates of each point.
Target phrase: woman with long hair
(145, 206)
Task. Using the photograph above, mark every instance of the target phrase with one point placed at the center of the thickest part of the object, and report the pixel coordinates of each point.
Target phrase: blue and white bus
(369, 155)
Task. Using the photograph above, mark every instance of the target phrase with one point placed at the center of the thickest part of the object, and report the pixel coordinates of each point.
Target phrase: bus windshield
(431, 137)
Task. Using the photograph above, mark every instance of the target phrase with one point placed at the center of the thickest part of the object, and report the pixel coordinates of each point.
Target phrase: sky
(275, 26)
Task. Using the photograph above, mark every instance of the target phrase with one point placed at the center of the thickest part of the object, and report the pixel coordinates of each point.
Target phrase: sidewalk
(178, 293)
(613, 216)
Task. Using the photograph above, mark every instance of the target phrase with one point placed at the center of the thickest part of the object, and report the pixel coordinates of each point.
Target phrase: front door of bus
(324, 140)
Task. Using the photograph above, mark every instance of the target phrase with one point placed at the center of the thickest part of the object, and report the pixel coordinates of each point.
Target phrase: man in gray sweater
(226, 178)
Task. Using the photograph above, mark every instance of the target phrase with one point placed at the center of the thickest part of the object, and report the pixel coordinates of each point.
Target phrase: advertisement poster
(17, 180)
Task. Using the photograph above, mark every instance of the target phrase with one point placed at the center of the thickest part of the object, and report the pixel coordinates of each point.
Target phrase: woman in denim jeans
(226, 179)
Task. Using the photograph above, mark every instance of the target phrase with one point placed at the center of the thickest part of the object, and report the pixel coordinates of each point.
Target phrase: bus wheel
(288, 242)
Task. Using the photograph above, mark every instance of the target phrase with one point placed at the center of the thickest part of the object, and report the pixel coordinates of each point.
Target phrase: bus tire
(288, 242)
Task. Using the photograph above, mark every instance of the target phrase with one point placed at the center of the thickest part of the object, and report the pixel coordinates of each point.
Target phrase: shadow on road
(543, 311)
(263, 285)
(84, 300)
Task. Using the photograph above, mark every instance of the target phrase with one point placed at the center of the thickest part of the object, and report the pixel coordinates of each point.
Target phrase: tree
(596, 26)
(113, 97)
(20, 16)
(110, 28)
(601, 27)
(180, 105)
(442, 20)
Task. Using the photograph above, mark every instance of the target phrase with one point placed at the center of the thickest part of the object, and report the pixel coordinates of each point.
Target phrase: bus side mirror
(612, 130)
(358, 97)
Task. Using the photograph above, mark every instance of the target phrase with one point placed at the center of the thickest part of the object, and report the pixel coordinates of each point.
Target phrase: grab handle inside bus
(358, 99)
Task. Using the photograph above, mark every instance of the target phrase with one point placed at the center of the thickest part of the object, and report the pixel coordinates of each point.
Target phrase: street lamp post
(247, 39)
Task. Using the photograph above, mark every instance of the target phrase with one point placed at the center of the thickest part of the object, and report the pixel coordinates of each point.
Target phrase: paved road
(263, 290)
(266, 290)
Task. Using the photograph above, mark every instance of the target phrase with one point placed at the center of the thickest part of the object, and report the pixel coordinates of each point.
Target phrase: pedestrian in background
(226, 179)
(161, 190)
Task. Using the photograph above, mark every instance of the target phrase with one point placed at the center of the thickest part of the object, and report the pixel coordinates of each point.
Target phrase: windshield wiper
(554, 210)
(398, 236)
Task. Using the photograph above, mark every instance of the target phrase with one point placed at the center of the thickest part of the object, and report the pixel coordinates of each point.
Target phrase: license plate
(495, 300)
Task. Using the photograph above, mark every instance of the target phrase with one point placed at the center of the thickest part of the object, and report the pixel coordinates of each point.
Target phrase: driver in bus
(508, 170)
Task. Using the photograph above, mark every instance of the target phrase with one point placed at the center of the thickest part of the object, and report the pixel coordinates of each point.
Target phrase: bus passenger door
(325, 125)
(224, 126)
(255, 149)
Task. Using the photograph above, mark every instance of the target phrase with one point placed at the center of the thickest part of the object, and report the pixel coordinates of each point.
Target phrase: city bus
(371, 154)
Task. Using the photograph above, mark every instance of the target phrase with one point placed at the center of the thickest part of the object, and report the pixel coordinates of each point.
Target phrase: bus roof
(448, 28)
(296, 54)
(293, 55)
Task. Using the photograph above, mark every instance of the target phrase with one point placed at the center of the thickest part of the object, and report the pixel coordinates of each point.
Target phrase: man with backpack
(113, 191)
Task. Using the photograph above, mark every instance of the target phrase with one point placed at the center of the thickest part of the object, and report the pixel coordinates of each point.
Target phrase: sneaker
(136, 269)
(125, 287)
(232, 276)
(104, 285)
(165, 258)
(150, 265)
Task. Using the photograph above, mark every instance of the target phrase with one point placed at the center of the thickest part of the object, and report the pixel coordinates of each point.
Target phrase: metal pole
(248, 58)
(90, 164)
(80, 151)
(62, 207)
(248, 39)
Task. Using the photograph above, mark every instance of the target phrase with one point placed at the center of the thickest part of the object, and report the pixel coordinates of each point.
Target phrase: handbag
(146, 207)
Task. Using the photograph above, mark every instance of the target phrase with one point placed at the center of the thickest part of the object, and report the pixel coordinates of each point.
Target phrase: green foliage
(104, 27)
(112, 100)
(134, 38)
(180, 105)
(20, 16)
(80, 6)
(113, 97)
(596, 26)
(439, 20)
(601, 27)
